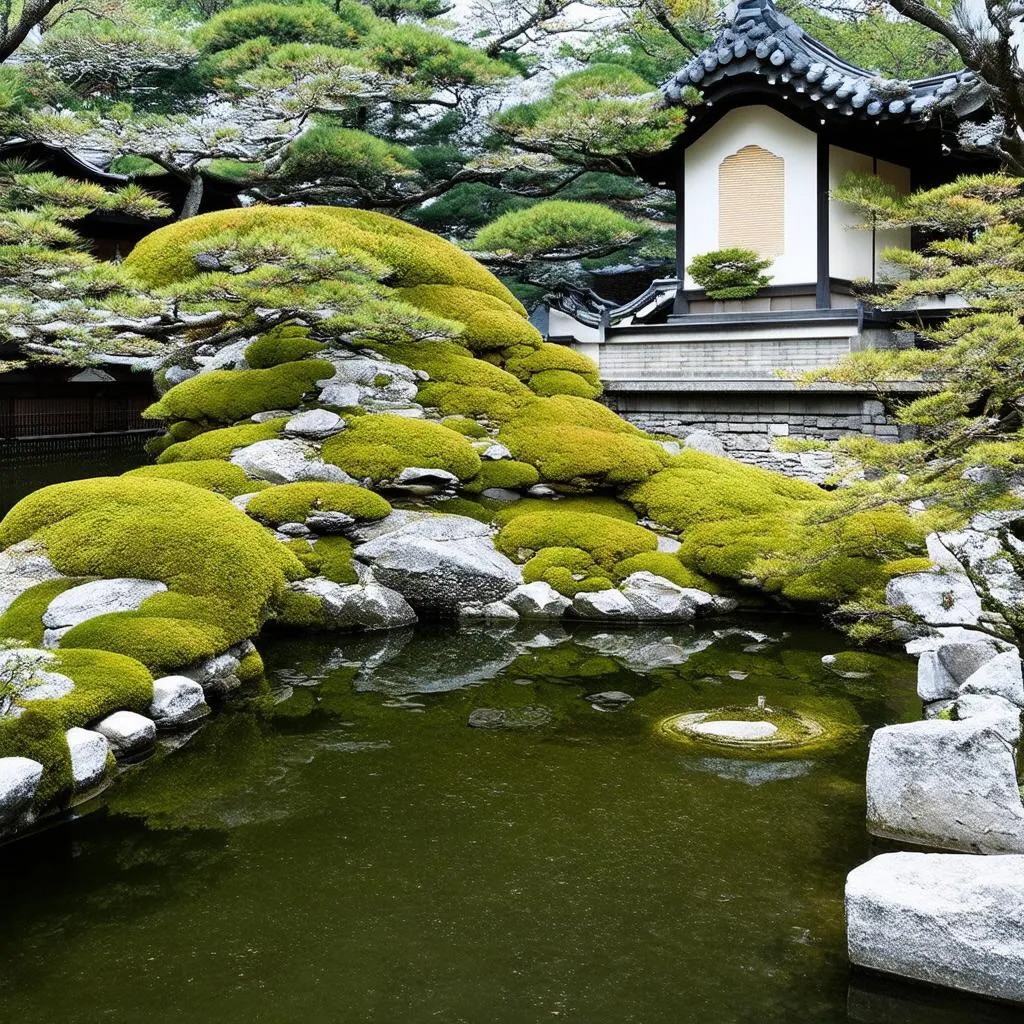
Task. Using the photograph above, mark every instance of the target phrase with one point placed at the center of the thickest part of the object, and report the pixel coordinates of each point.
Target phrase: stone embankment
(949, 782)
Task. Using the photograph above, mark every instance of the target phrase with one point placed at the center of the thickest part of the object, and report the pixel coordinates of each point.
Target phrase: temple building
(782, 120)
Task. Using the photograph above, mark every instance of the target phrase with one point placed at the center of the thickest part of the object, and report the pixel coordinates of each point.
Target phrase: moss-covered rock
(281, 345)
(570, 571)
(563, 382)
(226, 396)
(292, 503)
(223, 571)
(379, 447)
(23, 619)
(505, 473)
(219, 444)
(607, 541)
(210, 474)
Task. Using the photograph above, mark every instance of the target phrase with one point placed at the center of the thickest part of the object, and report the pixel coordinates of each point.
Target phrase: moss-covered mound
(569, 570)
(223, 571)
(219, 444)
(293, 503)
(210, 474)
(379, 447)
(226, 396)
(281, 345)
(607, 541)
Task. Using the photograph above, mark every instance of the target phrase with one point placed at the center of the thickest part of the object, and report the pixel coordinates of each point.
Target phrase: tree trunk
(193, 198)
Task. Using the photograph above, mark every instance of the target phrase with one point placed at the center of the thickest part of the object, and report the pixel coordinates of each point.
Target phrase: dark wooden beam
(823, 291)
(680, 305)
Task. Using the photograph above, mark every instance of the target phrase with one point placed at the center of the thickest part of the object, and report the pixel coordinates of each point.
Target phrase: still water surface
(348, 849)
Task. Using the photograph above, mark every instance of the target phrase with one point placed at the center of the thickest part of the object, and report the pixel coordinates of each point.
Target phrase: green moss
(664, 564)
(575, 441)
(222, 569)
(489, 323)
(506, 473)
(606, 540)
(185, 430)
(569, 570)
(596, 504)
(23, 619)
(563, 382)
(380, 447)
(281, 345)
(226, 396)
(728, 549)
(292, 503)
(410, 255)
(219, 444)
(524, 363)
(460, 400)
(336, 564)
(462, 425)
(301, 611)
(210, 474)
(250, 669)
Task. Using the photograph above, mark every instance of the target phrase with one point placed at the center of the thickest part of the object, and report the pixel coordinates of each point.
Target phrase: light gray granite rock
(938, 598)
(538, 600)
(425, 477)
(177, 701)
(358, 605)
(100, 597)
(19, 780)
(934, 681)
(950, 785)
(668, 545)
(603, 604)
(945, 919)
(704, 441)
(496, 451)
(997, 712)
(395, 520)
(962, 658)
(1000, 676)
(441, 563)
(747, 732)
(329, 522)
(22, 566)
(315, 424)
(89, 751)
(128, 733)
(285, 461)
(655, 598)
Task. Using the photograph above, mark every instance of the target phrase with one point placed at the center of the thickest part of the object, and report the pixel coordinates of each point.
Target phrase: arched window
(752, 202)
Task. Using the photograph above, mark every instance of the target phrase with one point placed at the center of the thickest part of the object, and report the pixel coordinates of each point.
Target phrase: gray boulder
(284, 461)
(358, 605)
(128, 733)
(496, 451)
(441, 563)
(603, 604)
(944, 919)
(19, 780)
(100, 597)
(538, 600)
(983, 553)
(329, 522)
(177, 701)
(937, 598)
(417, 476)
(89, 751)
(997, 712)
(22, 566)
(951, 785)
(934, 681)
(316, 424)
(1001, 676)
(656, 598)
(395, 520)
(961, 658)
(704, 441)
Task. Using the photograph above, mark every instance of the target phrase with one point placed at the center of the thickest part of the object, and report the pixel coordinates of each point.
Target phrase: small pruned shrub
(730, 273)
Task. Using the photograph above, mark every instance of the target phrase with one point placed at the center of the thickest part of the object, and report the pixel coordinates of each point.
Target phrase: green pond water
(347, 848)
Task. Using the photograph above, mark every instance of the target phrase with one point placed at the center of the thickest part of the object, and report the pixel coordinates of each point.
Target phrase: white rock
(541, 491)
(736, 730)
(242, 500)
(997, 712)
(88, 756)
(284, 461)
(316, 424)
(944, 919)
(704, 441)
(495, 452)
(654, 597)
(963, 658)
(603, 604)
(951, 785)
(101, 597)
(176, 374)
(440, 563)
(230, 357)
(413, 475)
(48, 686)
(669, 545)
(938, 598)
(219, 674)
(19, 780)
(1001, 676)
(538, 600)
(358, 605)
(128, 733)
(499, 611)
(177, 701)
(671, 447)
(934, 681)
(22, 566)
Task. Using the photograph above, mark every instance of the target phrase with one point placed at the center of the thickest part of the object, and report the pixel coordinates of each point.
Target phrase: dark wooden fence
(72, 415)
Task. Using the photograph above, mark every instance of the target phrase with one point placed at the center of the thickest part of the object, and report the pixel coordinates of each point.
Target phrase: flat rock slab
(946, 919)
(285, 461)
(100, 597)
(736, 730)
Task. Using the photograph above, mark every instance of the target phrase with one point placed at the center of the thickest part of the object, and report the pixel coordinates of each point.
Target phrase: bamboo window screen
(752, 202)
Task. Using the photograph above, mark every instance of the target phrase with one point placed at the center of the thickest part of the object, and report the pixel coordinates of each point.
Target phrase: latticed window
(752, 202)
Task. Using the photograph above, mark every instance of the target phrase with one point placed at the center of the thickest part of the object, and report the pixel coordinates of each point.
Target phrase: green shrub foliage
(730, 273)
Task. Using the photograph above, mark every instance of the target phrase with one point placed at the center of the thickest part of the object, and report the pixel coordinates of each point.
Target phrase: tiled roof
(762, 41)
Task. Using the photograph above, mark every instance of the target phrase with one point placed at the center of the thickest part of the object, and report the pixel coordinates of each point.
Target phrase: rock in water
(19, 779)
(944, 919)
(654, 597)
(177, 701)
(951, 785)
(609, 700)
(88, 756)
(538, 600)
(358, 605)
(440, 563)
(127, 733)
(603, 604)
(530, 717)
(736, 730)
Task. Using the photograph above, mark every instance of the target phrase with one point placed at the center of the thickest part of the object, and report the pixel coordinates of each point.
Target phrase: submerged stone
(742, 731)
(530, 717)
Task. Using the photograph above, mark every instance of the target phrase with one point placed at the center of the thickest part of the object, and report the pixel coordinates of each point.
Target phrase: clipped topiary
(292, 503)
(563, 382)
(379, 447)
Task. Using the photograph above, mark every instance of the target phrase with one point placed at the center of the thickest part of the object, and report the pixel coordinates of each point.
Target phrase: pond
(347, 848)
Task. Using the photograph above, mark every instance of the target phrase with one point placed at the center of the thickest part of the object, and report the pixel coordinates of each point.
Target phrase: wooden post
(823, 290)
(680, 305)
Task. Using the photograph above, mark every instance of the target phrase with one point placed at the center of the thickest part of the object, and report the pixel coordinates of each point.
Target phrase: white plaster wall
(856, 253)
(755, 126)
